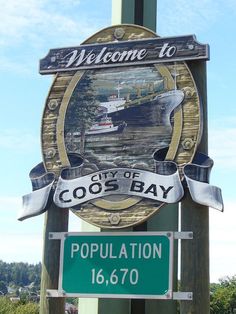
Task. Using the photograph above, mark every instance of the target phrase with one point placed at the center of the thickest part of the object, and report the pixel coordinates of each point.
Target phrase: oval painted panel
(119, 117)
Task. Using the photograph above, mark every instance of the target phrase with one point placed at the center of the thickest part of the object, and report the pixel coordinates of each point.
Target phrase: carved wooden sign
(118, 119)
(144, 51)
(120, 128)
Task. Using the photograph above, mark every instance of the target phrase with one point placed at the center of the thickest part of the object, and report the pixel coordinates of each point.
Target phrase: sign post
(144, 13)
(195, 257)
(56, 220)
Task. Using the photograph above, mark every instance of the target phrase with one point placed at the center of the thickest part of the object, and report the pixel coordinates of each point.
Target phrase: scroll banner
(125, 181)
(163, 185)
(39, 200)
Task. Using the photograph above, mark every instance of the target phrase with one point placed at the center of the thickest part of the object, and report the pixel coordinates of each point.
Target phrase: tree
(9, 307)
(28, 308)
(83, 108)
(20, 274)
(3, 288)
(223, 296)
(6, 306)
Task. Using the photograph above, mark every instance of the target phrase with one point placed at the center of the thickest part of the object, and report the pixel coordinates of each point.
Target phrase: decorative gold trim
(178, 121)
(121, 204)
(61, 118)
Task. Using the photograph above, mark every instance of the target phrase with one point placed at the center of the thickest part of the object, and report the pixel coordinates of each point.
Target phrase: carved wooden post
(56, 220)
(195, 217)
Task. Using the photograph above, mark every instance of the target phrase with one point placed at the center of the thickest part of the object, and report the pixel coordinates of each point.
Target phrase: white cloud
(222, 144)
(17, 247)
(6, 201)
(223, 242)
(22, 241)
(74, 223)
(194, 15)
(9, 208)
(11, 65)
(20, 141)
(29, 28)
(37, 22)
(231, 4)
(191, 17)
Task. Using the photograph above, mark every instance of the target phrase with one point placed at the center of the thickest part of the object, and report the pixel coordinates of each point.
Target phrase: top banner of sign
(143, 51)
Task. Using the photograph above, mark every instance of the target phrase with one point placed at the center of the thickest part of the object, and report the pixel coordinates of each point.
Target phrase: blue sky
(28, 29)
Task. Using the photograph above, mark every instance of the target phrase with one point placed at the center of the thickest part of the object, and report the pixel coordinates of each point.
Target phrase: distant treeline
(20, 274)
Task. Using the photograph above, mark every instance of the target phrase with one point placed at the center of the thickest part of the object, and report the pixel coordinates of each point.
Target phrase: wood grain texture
(195, 218)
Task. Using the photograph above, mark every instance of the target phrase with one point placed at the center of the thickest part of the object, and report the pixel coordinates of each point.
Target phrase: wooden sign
(117, 119)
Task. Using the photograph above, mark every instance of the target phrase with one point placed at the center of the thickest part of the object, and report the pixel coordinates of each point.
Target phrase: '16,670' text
(120, 276)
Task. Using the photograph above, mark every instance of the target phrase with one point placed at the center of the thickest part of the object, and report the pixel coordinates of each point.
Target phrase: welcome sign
(124, 53)
(120, 128)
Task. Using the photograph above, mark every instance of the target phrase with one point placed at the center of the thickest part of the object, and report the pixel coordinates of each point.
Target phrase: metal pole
(195, 217)
(166, 219)
(143, 12)
(139, 12)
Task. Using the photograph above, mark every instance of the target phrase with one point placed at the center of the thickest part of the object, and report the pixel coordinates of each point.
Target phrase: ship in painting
(114, 103)
(103, 126)
(149, 110)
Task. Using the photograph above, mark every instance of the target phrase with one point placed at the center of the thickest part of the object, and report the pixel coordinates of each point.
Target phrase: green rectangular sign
(117, 265)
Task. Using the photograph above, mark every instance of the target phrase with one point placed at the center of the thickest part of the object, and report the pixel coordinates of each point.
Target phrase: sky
(28, 29)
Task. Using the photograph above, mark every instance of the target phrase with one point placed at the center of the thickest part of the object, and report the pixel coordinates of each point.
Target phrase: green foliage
(3, 288)
(20, 274)
(9, 307)
(223, 296)
(29, 308)
(24, 280)
(6, 306)
(73, 301)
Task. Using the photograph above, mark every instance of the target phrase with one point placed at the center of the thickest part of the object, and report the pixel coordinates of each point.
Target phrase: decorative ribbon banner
(163, 188)
(165, 185)
(197, 175)
(38, 201)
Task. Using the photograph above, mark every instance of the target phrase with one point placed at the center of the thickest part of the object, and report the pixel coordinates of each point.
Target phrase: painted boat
(103, 126)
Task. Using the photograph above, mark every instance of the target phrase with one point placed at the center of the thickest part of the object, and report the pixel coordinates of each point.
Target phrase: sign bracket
(183, 235)
(178, 235)
(179, 295)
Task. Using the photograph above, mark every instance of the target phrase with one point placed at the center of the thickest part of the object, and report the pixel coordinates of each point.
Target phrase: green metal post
(143, 12)
(166, 219)
(123, 12)
(139, 12)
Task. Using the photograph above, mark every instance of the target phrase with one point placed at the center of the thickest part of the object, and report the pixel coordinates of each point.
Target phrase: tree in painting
(84, 107)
